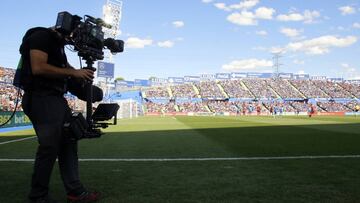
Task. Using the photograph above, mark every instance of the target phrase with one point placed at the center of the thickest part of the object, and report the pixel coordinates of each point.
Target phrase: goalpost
(129, 108)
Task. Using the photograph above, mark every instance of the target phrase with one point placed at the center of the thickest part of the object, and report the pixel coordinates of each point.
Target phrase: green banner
(19, 119)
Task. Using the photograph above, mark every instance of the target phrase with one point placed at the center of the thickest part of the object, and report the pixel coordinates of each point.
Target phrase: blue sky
(167, 38)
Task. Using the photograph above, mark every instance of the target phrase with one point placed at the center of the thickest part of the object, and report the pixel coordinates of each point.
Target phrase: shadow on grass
(329, 139)
(332, 139)
(323, 180)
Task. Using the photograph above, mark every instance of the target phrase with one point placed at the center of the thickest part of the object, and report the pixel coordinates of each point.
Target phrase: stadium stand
(279, 107)
(283, 88)
(241, 96)
(332, 106)
(152, 107)
(188, 107)
(209, 89)
(260, 88)
(307, 88)
(222, 106)
(157, 92)
(183, 91)
(251, 107)
(299, 106)
(75, 104)
(353, 89)
(352, 104)
(6, 75)
(332, 89)
(8, 93)
(235, 89)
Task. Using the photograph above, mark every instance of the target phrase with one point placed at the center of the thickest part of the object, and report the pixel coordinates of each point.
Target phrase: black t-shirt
(48, 42)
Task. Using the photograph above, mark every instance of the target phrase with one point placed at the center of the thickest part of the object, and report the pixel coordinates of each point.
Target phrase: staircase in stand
(298, 91)
(176, 108)
(223, 91)
(170, 92)
(277, 95)
(196, 91)
(341, 87)
(247, 89)
(207, 108)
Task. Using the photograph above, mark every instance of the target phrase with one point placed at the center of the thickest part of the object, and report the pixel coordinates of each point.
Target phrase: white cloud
(264, 13)
(290, 17)
(356, 25)
(247, 65)
(249, 18)
(274, 50)
(222, 6)
(243, 18)
(321, 45)
(244, 5)
(347, 10)
(207, 1)
(166, 44)
(311, 16)
(290, 32)
(307, 16)
(137, 43)
(261, 32)
(178, 24)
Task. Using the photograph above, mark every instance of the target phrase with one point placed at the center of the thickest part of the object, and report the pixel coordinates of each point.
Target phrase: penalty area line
(200, 159)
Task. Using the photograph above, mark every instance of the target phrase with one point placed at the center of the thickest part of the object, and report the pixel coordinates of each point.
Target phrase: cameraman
(44, 103)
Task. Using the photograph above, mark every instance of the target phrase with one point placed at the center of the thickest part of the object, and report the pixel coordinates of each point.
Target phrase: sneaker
(43, 200)
(85, 197)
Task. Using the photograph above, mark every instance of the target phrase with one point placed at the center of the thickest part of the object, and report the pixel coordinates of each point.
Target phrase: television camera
(87, 37)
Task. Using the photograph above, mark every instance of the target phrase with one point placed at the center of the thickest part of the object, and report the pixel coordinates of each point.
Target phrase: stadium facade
(222, 76)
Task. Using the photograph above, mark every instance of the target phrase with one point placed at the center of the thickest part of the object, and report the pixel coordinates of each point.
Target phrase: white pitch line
(200, 159)
(17, 140)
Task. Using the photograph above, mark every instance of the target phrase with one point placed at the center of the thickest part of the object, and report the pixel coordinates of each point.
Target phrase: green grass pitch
(255, 180)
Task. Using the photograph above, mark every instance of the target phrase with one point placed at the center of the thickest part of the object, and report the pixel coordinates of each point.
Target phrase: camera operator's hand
(85, 74)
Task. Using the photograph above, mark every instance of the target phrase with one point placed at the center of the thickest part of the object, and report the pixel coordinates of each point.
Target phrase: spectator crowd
(283, 88)
(8, 93)
(183, 91)
(152, 107)
(209, 89)
(235, 89)
(266, 95)
(354, 89)
(332, 89)
(157, 92)
(187, 107)
(8, 96)
(307, 88)
(260, 88)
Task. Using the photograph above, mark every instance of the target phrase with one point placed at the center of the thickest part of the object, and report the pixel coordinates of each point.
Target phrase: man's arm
(69, 65)
(39, 65)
